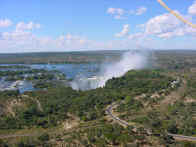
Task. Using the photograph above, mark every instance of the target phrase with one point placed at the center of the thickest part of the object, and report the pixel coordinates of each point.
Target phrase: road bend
(122, 122)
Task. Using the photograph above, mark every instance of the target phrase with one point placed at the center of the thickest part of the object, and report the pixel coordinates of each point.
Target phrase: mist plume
(128, 61)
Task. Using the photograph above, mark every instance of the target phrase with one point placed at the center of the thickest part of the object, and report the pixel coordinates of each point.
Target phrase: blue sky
(72, 25)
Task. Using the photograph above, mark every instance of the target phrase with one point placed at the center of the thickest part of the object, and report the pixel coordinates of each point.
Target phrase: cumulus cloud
(27, 26)
(124, 31)
(141, 10)
(5, 23)
(192, 9)
(164, 26)
(161, 24)
(167, 26)
(26, 41)
(21, 38)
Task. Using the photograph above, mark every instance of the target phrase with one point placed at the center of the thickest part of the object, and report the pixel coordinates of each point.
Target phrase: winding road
(122, 122)
(109, 112)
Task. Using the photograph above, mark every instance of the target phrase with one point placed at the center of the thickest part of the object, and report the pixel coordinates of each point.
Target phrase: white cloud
(5, 23)
(164, 26)
(116, 12)
(23, 40)
(161, 24)
(141, 10)
(16, 35)
(124, 31)
(29, 26)
(192, 9)
(26, 41)
(167, 26)
(120, 13)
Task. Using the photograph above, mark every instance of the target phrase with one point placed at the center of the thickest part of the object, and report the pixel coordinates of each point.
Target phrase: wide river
(72, 71)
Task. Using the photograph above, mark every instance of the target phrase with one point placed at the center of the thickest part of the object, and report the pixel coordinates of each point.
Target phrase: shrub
(44, 137)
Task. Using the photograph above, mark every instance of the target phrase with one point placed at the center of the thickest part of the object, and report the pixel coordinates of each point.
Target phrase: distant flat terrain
(60, 57)
(157, 58)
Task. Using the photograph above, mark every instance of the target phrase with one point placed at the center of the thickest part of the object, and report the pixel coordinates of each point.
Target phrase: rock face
(70, 123)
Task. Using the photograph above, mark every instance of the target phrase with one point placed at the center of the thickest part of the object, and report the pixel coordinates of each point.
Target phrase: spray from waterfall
(129, 60)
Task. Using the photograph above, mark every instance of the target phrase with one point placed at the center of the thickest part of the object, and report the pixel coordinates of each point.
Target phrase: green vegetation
(21, 72)
(146, 99)
(14, 67)
(139, 82)
(57, 102)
